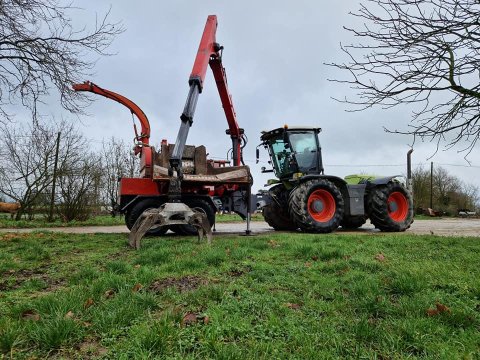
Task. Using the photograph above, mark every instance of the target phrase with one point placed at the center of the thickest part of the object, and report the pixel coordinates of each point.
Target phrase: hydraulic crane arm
(209, 52)
(144, 137)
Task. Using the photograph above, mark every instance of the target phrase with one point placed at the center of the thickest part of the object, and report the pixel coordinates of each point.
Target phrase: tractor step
(170, 214)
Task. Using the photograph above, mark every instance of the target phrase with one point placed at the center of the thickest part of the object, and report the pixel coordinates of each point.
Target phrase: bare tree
(444, 185)
(421, 187)
(77, 196)
(449, 193)
(27, 160)
(118, 161)
(422, 53)
(40, 48)
(470, 197)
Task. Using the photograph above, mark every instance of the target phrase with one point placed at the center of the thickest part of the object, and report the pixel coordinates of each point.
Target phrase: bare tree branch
(40, 50)
(421, 53)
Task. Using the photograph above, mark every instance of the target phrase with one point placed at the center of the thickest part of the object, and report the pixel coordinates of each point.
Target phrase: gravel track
(443, 227)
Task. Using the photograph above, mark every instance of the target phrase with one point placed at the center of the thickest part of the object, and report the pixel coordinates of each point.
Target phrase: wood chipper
(177, 184)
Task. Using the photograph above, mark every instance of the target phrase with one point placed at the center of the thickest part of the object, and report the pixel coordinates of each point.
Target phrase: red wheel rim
(321, 205)
(397, 205)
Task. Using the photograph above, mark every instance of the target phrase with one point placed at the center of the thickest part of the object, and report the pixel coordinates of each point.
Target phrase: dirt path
(445, 227)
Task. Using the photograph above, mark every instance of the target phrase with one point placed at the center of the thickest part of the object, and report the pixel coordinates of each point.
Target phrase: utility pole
(431, 185)
(52, 199)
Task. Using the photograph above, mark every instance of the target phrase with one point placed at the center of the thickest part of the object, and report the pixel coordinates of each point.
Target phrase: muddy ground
(444, 227)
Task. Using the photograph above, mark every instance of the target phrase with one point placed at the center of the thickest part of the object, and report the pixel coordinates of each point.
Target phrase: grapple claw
(200, 221)
(166, 215)
(144, 223)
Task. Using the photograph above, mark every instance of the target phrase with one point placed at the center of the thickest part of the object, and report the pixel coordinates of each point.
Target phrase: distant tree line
(447, 192)
(83, 181)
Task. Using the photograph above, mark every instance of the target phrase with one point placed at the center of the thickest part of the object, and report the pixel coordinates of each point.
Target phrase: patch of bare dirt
(91, 349)
(186, 283)
(16, 278)
(17, 236)
(236, 272)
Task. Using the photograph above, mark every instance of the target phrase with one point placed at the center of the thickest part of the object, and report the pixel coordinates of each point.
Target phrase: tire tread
(298, 206)
(378, 210)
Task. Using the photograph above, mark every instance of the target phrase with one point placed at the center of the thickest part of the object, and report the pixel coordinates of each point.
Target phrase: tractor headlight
(272, 181)
(297, 176)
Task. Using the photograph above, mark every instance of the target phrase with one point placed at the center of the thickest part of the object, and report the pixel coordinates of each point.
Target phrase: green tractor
(304, 198)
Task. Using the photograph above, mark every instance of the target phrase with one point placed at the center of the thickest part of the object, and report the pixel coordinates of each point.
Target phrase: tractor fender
(339, 182)
(387, 179)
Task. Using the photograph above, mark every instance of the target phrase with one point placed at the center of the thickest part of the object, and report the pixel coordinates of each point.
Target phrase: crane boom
(209, 52)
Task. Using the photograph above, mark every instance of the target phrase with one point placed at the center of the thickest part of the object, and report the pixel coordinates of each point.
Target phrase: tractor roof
(275, 132)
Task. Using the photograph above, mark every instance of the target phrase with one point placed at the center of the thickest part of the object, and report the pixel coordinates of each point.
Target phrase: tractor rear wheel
(276, 212)
(353, 222)
(198, 205)
(316, 206)
(390, 207)
(132, 215)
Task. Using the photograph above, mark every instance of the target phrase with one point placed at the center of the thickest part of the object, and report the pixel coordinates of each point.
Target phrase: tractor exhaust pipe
(409, 171)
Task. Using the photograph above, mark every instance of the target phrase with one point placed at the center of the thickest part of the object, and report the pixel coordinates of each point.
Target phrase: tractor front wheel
(276, 212)
(390, 207)
(132, 215)
(316, 206)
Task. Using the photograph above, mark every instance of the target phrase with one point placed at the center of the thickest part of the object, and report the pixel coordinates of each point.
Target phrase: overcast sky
(274, 55)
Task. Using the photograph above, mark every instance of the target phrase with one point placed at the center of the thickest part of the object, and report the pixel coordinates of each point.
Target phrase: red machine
(179, 188)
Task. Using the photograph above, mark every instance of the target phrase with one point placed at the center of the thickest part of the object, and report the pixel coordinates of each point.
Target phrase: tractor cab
(293, 151)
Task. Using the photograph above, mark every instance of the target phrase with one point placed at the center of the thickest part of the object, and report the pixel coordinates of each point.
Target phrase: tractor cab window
(283, 161)
(304, 146)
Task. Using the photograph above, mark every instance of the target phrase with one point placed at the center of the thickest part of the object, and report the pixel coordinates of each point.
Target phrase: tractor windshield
(304, 146)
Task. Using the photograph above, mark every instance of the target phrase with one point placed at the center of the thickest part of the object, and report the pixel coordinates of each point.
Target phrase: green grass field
(103, 220)
(269, 296)
(41, 222)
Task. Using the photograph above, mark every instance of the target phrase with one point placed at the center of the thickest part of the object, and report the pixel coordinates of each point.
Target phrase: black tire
(199, 205)
(316, 206)
(132, 215)
(353, 222)
(276, 214)
(390, 207)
